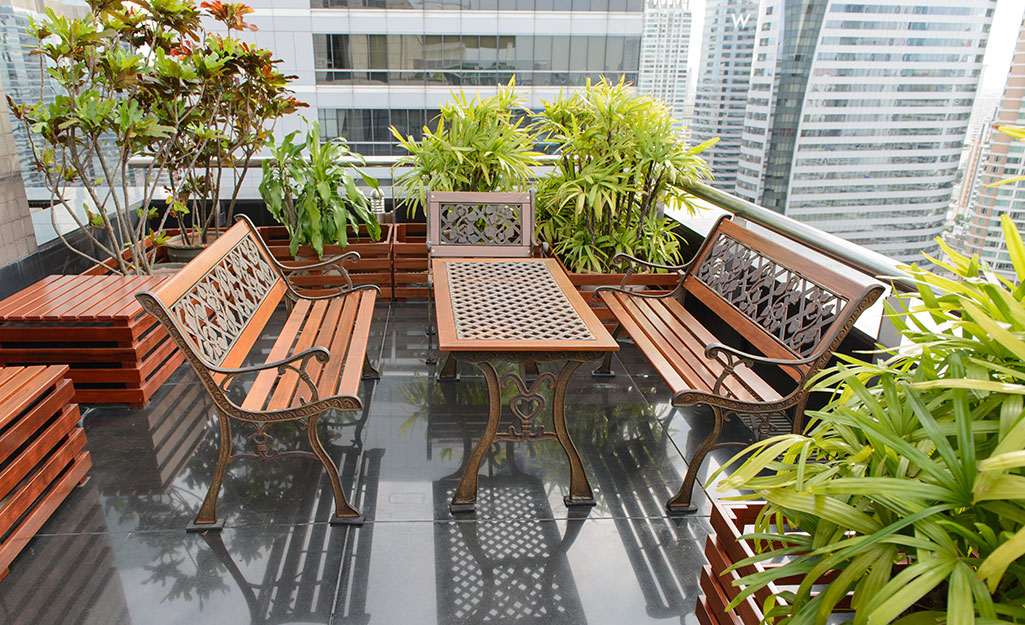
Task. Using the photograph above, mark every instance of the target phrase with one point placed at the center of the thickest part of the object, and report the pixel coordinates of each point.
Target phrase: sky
(1003, 35)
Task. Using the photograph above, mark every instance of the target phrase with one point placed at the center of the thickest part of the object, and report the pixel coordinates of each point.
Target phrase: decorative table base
(526, 405)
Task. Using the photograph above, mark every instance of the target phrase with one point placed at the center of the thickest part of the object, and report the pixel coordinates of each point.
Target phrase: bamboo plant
(909, 486)
(620, 158)
(477, 144)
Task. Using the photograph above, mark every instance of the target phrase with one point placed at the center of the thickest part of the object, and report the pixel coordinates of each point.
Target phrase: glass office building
(367, 65)
(857, 113)
(665, 46)
(722, 89)
(1001, 158)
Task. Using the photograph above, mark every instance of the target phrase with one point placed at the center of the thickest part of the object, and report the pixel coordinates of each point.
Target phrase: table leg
(465, 498)
(580, 492)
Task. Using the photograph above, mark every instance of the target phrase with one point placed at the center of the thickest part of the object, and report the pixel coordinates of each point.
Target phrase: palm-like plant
(478, 144)
(911, 489)
(620, 156)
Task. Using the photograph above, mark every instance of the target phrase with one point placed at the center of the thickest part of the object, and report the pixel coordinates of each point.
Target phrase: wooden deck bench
(791, 311)
(218, 306)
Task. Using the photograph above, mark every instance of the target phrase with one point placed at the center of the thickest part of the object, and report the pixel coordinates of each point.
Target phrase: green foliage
(223, 124)
(911, 481)
(476, 145)
(620, 157)
(145, 79)
(314, 195)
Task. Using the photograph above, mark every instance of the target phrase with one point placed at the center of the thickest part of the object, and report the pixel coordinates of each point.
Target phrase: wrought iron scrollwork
(785, 303)
(526, 406)
(481, 223)
(215, 311)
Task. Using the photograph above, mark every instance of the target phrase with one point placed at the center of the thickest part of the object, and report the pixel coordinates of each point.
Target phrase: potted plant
(621, 159)
(309, 187)
(227, 122)
(905, 498)
(477, 144)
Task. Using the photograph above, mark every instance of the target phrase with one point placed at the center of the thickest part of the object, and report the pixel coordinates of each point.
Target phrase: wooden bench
(789, 309)
(219, 305)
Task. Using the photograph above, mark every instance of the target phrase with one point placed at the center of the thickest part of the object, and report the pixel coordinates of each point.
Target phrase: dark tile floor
(116, 551)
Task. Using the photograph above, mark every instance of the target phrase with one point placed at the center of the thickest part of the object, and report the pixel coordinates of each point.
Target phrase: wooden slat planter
(374, 266)
(116, 352)
(586, 283)
(41, 452)
(723, 548)
(409, 261)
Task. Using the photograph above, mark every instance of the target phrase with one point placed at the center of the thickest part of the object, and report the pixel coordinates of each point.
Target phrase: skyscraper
(1001, 159)
(722, 88)
(365, 65)
(665, 45)
(857, 115)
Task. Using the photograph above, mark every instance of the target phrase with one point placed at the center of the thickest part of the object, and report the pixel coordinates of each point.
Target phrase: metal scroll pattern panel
(511, 301)
(217, 308)
(783, 302)
(481, 224)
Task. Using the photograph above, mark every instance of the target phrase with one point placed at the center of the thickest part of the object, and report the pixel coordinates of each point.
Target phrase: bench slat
(684, 351)
(664, 368)
(757, 386)
(352, 372)
(330, 327)
(285, 388)
(264, 382)
(332, 373)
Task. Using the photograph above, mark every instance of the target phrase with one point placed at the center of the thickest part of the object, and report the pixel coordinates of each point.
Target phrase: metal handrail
(850, 254)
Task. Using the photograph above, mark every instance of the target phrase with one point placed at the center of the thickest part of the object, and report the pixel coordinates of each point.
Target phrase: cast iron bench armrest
(633, 264)
(736, 357)
(320, 353)
(335, 262)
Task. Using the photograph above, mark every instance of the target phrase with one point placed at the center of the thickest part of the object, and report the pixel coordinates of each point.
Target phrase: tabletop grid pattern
(511, 301)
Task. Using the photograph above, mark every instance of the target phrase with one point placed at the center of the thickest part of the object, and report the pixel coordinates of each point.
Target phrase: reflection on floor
(116, 552)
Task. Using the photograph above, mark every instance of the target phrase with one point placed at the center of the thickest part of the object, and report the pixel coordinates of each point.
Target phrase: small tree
(315, 196)
(228, 121)
(133, 82)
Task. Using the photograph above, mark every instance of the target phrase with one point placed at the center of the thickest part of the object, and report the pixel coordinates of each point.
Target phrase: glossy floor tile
(116, 551)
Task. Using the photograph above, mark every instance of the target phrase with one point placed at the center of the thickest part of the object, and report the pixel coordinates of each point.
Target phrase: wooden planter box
(724, 547)
(374, 266)
(586, 283)
(409, 261)
(93, 323)
(41, 452)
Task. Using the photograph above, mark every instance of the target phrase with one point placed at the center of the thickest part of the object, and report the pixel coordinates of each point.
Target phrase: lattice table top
(503, 302)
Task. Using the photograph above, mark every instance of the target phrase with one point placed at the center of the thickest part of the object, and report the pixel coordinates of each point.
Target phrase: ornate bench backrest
(207, 307)
(480, 224)
(785, 304)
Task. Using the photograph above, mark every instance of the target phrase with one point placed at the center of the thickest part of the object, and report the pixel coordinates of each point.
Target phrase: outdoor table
(521, 310)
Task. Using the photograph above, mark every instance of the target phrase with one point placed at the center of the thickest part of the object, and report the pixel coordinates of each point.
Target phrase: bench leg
(604, 369)
(344, 513)
(207, 517)
(681, 502)
(369, 372)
